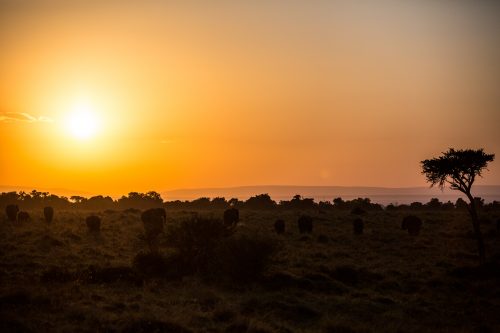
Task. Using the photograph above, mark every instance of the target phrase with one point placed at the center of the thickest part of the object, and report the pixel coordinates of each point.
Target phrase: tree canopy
(459, 168)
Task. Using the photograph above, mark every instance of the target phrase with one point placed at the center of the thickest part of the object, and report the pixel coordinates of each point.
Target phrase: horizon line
(323, 186)
(86, 192)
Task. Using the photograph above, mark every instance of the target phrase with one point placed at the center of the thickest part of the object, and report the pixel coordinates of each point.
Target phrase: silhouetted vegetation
(23, 216)
(153, 221)
(93, 224)
(156, 265)
(358, 211)
(134, 202)
(356, 206)
(279, 226)
(357, 225)
(412, 224)
(261, 201)
(299, 203)
(196, 239)
(243, 259)
(108, 275)
(305, 224)
(48, 214)
(231, 217)
(208, 247)
(140, 200)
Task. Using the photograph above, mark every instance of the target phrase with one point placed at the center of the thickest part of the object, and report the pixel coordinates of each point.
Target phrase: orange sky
(192, 95)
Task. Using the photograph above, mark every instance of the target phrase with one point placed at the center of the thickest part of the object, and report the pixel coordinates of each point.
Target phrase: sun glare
(82, 123)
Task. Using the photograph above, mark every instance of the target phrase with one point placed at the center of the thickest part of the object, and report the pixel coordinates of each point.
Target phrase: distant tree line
(36, 200)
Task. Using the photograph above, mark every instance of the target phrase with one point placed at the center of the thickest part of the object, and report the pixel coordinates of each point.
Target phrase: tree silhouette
(150, 199)
(459, 169)
(77, 198)
(261, 201)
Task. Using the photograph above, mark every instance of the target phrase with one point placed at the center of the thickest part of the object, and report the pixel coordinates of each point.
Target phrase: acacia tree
(459, 169)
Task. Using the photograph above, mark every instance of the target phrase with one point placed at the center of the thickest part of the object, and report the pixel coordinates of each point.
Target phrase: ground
(329, 281)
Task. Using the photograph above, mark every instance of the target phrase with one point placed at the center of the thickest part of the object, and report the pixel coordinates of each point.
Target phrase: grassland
(60, 278)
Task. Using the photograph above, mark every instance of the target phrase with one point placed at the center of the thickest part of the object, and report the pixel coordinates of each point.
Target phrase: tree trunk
(477, 228)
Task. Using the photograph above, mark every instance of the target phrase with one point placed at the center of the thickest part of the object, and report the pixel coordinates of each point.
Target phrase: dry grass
(60, 278)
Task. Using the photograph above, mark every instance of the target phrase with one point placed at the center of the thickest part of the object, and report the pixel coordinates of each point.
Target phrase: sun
(82, 122)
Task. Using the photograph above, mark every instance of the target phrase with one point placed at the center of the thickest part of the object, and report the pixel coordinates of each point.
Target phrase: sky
(119, 96)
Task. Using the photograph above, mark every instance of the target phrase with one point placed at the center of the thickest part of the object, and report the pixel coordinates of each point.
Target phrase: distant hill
(382, 195)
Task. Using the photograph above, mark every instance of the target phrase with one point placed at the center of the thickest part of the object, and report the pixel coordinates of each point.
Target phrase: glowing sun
(83, 122)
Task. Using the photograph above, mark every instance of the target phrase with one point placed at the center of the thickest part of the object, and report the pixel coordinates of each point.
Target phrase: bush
(305, 224)
(195, 240)
(107, 275)
(412, 223)
(208, 247)
(279, 226)
(93, 224)
(358, 211)
(132, 211)
(243, 259)
(357, 226)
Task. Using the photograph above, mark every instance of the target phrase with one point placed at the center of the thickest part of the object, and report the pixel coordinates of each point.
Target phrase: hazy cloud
(12, 117)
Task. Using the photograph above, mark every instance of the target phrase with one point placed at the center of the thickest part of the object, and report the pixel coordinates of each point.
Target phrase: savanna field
(58, 277)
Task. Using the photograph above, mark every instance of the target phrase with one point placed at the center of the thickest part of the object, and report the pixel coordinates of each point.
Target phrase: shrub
(153, 220)
(23, 217)
(196, 239)
(132, 211)
(208, 247)
(358, 211)
(412, 223)
(105, 275)
(357, 226)
(48, 213)
(305, 224)
(244, 258)
(231, 217)
(279, 226)
(93, 224)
